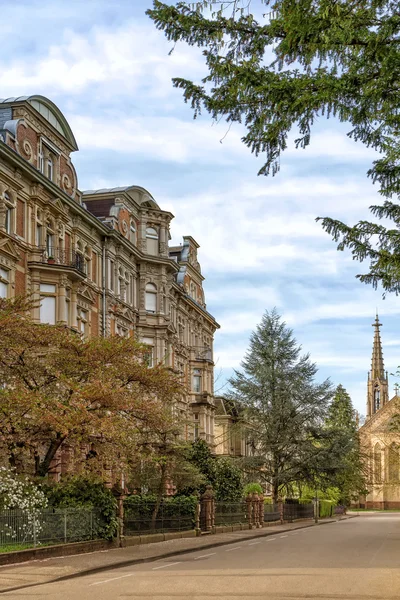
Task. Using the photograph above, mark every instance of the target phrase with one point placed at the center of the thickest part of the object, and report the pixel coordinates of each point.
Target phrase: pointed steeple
(378, 386)
(377, 367)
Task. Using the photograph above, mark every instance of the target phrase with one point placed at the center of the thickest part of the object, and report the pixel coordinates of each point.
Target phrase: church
(380, 435)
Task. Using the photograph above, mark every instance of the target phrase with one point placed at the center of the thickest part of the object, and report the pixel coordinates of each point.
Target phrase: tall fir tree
(284, 407)
(277, 66)
(348, 466)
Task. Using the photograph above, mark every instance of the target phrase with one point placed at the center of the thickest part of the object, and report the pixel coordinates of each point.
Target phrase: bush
(326, 508)
(252, 488)
(86, 492)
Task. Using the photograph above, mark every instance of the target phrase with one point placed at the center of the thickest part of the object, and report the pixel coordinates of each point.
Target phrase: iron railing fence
(298, 511)
(271, 513)
(64, 257)
(49, 526)
(139, 519)
(340, 510)
(230, 513)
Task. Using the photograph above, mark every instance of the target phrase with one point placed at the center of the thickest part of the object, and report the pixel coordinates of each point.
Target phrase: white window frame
(50, 169)
(196, 381)
(4, 282)
(82, 317)
(48, 293)
(152, 238)
(151, 298)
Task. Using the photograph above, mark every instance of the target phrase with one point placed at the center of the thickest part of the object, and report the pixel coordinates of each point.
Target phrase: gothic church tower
(378, 387)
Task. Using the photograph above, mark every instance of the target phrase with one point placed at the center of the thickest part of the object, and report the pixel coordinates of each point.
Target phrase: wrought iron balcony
(63, 257)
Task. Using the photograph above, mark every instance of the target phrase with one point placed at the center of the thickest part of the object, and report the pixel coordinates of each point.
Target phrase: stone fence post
(208, 509)
(256, 511)
(280, 508)
(261, 509)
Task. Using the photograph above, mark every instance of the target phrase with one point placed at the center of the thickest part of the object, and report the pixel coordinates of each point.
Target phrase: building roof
(49, 111)
(147, 197)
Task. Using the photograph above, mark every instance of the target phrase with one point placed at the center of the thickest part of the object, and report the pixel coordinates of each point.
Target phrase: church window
(377, 464)
(377, 399)
(394, 462)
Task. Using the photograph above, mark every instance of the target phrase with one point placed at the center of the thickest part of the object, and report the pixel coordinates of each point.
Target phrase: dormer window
(9, 216)
(152, 241)
(47, 159)
(151, 298)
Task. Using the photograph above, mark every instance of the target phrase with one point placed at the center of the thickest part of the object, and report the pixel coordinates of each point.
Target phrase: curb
(137, 561)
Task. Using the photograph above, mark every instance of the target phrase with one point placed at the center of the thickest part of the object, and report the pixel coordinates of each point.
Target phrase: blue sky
(107, 68)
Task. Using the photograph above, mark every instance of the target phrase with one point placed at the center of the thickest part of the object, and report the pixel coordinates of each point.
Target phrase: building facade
(380, 435)
(99, 261)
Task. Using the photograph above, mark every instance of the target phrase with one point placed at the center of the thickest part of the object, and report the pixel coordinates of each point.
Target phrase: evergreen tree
(279, 65)
(347, 464)
(284, 407)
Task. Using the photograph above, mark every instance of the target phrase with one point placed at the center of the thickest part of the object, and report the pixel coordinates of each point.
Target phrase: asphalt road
(357, 559)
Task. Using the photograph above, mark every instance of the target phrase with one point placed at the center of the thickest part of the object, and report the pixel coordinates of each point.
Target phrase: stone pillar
(62, 305)
(261, 509)
(280, 508)
(74, 301)
(208, 509)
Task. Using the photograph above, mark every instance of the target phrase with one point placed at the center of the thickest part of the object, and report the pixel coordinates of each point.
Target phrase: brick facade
(103, 254)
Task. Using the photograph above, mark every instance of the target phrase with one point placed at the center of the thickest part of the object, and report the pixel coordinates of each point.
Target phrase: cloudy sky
(107, 68)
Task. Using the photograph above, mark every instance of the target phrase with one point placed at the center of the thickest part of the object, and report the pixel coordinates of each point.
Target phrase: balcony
(202, 354)
(59, 258)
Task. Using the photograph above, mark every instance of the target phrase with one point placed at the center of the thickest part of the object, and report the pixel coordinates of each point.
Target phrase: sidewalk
(16, 577)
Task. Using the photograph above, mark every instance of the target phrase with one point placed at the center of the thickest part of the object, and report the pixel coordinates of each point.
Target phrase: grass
(373, 510)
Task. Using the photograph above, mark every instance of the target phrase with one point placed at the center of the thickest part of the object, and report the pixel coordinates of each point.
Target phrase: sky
(109, 71)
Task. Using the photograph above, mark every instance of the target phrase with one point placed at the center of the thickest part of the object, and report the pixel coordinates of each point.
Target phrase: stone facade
(380, 436)
(99, 261)
(230, 437)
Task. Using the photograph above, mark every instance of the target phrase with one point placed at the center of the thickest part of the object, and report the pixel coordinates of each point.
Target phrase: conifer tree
(284, 407)
(277, 66)
(348, 467)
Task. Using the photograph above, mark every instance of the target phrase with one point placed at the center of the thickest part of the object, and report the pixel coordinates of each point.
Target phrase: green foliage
(86, 492)
(284, 407)
(346, 463)
(172, 505)
(278, 66)
(221, 473)
(252, 488)
(326, 508)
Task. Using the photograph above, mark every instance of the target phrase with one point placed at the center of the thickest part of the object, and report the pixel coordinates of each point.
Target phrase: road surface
(356, 559)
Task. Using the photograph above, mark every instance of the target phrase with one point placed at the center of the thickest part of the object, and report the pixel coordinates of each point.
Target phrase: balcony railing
(202, 353)
(63, 257)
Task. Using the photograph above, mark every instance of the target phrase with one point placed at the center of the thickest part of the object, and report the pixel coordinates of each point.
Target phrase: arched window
(151, 298)
(377, 464)
(377, 399)
(132, 232)
(152, 241)
(394, 463)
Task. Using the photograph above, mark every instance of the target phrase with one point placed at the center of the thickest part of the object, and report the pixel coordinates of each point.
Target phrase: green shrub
(252, 488)
(326, 508)
(86, 492)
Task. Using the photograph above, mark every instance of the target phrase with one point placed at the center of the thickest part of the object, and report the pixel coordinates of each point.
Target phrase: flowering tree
(58, 389)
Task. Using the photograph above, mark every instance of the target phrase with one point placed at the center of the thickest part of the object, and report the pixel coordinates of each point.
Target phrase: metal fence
(340, 510)
(139, 519)
(49, 526)
(229, 513)
(298, 511)
(271, 512)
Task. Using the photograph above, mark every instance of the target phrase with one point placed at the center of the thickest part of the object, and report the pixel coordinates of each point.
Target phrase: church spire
(378, 387)
(377, 367)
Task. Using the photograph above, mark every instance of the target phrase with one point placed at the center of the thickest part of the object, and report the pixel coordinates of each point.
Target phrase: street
(354, 559)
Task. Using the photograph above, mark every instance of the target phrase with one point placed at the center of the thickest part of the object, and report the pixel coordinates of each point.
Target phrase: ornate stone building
(99, 261)
(380, 435)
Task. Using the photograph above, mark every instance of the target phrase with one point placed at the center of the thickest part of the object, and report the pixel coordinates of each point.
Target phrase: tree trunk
(160, 494)
(43, 466)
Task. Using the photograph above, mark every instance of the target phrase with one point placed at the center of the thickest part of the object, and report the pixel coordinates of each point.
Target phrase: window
(377, 399)
(50, 169)
(149, 355)
(50, 244)
(39, 229)
(377, 464)
(394, 462)
(111, 276)
(40, 160)
(132, 233)
(4, 281)
(48, 303)
(82, 318)
(151, 298)
(9, 224)
(196, 381)
(152, 241)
